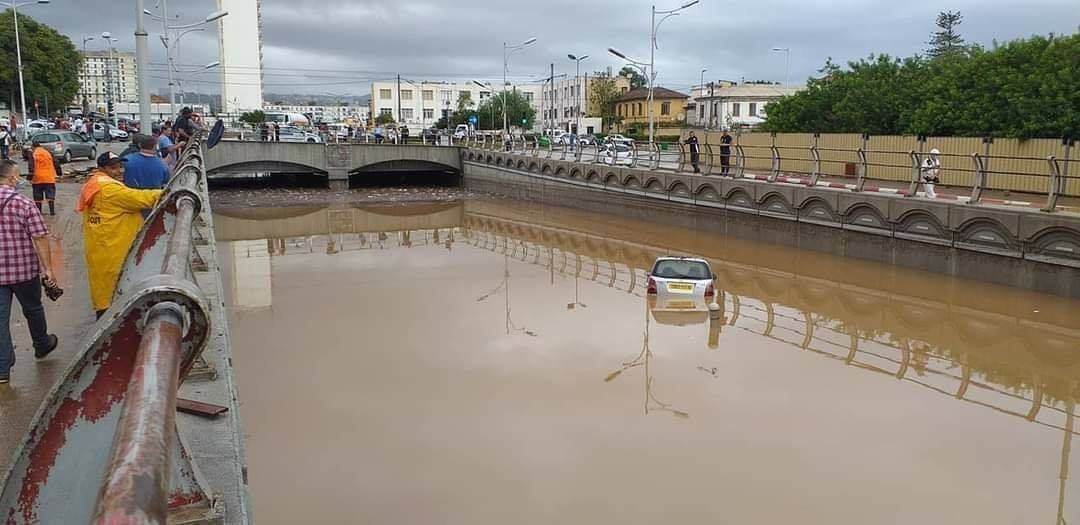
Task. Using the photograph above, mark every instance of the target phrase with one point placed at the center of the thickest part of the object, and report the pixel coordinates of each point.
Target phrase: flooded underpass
(487, 361)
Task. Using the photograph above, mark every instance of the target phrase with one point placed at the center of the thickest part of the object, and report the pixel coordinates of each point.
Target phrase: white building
(240, 42)
(424, 102)
(106, 75)
(327, 114)
(726, 105)
(563, 103)
(158, 111)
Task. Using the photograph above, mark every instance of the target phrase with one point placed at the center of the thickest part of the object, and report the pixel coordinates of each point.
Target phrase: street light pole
(18, 52)
(700, 108)
(169, 48)
(787, 62)
(577, 89)
(507, 51)
(142, 62)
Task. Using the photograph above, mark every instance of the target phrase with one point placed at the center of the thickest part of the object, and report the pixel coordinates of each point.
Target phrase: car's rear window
(681, 269)
(46, 137)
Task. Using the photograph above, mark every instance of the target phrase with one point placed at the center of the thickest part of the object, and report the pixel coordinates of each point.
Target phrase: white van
(461, 131)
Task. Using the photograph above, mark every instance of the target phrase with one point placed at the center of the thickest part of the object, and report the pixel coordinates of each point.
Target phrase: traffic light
(524, 121)
(111, 109)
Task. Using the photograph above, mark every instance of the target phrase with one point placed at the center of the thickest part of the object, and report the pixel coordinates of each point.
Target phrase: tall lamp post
(787, 61)
(507, 51)
(180, 82)
(14, 6)
(170, 45)
(110, 76)
(651, 75)
(577, 89)
(485, 86)
(85, 102)
(701, 109)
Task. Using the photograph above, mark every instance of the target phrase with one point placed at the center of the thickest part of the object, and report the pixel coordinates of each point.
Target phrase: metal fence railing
(104, 446)
(1042, 167)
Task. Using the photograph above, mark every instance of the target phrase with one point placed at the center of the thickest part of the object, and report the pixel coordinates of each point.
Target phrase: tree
(464, 102)
(517, 109)
(637, 80)
(255, 118)
(1025, 88)
(947, 41)
(603, 91)
(384, 118)
(50, 62)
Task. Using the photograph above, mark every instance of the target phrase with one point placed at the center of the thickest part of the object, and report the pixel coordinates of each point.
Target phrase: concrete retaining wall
(981, 243)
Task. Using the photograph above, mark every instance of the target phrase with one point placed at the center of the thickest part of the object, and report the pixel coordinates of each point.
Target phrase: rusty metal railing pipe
(137, 478)
(178, 254)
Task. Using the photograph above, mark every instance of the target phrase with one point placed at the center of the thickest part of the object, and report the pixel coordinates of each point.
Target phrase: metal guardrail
(104, 446)
(808, 165)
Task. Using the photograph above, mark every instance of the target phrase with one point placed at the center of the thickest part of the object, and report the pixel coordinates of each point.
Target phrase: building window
(386, 111)
(665, 108)
(445, 95)
(701, 112)
(639, 112)
(753, 109)
(429, 95)
(484, 95)
(735, 109)
(528, 96)
(429, 113)
(406, 114)
(406, 94)
(385, 94)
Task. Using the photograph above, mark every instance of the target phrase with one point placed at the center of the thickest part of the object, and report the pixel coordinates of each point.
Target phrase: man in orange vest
(43, 170)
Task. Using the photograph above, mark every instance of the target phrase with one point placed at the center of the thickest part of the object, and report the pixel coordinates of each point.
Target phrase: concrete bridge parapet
(335, 161)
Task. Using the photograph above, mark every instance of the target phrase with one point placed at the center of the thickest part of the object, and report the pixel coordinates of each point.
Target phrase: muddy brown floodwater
(495, 362)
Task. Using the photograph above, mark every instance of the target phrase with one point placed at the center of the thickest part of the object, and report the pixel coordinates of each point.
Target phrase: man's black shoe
(42, 354)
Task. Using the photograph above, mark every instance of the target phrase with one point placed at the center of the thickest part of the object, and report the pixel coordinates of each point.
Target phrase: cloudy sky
(339, 46)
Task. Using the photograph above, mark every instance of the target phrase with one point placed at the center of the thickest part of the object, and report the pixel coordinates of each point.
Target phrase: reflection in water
(984, 353)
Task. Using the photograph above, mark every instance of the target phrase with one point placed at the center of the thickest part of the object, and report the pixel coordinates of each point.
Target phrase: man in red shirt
(25, 259)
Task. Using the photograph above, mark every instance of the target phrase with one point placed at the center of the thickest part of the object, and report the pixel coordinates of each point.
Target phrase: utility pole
(142, 61)
(399, 99)
(551, 80)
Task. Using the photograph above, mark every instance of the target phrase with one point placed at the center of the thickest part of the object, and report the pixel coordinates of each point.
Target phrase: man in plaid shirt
(24, 259)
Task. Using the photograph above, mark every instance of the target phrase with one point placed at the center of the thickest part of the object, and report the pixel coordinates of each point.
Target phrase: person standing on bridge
(931, 172)
(111, 219)
(695, 151)
(725, 153)
(25, 263)
(145, 170)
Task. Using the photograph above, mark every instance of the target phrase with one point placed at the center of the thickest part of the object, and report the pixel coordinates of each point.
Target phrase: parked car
(37, 126)
(617, 138)
(685, 277)
(587, 140)
(66, 145)
(617, 153)
(295, 134)
(461, 131)
(112, 134)
(430, 135)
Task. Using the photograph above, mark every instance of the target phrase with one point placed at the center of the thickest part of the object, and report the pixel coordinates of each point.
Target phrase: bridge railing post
(633, 155)
(774, 169)
(562, 153)
(815, 169)
(740, 161)
(682, 157)
(1059, 176)
(916, 173)
(654, 150)
(708, 159)
(860, 169)
(980, 177)
(596, 160)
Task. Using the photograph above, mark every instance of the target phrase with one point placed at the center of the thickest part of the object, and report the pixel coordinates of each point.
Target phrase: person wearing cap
(931, 172)
(111, 219)
(144, 169)
(184, 126)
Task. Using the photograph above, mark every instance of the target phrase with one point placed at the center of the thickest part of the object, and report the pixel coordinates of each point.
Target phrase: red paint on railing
(106, 390)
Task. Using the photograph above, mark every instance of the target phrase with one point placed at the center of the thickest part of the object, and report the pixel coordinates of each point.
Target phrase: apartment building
(565, 100)
(727, 105)
(328, 114)
(106, 75)
(668, 107)
(423, 103)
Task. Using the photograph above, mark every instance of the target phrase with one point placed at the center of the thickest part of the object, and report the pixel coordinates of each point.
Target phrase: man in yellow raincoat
(111, 219)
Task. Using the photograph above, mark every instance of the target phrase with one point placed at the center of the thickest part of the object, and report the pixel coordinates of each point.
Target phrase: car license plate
(680, 305)
(680, 287)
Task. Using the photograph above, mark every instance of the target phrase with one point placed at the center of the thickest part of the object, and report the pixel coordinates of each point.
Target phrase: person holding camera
(25, 266)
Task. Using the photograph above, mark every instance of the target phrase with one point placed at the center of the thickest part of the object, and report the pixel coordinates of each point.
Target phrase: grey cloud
(316, 46)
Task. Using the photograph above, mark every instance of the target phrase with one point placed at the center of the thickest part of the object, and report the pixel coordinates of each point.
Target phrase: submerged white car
(673, 278)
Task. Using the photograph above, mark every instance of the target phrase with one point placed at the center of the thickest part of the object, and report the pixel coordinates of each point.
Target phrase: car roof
(678, 258)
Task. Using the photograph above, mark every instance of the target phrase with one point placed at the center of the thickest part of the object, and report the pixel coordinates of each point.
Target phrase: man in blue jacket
(146, 170)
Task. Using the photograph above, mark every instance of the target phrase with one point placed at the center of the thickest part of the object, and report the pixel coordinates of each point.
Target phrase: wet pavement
(499, 362)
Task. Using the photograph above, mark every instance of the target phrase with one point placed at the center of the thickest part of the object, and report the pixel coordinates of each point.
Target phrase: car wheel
(311, 141)
(93, 154)
(67, 156)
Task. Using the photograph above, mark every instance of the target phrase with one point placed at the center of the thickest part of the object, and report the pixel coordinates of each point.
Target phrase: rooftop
(643, 93)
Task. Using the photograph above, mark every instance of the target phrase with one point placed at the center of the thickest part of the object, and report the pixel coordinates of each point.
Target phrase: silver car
(66, 145)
